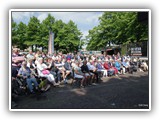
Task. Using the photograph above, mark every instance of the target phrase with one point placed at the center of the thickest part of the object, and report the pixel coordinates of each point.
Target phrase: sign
(136, 51)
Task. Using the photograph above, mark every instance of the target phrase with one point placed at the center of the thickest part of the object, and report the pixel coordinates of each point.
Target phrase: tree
(116, 28)
(45, 27)
(14, 32)
(72, 36)
(66, 35)
(21, 35)
(33, 33)
(58, 29)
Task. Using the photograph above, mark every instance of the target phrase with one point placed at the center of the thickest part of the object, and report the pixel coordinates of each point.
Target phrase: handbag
(45, 72)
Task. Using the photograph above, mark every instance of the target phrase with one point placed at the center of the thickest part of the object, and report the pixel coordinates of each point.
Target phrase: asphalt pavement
(129, 91)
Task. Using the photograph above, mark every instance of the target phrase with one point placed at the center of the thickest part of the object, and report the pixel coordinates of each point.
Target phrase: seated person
(30, 55)
(60, 66)
(100, 68)
(85, 70)
(117, 64)
(93, 70)
(25, 72)
(43, 72)
(113, 67)
(79, 74)
(32, 67)
(68, 69)
(127, 66)
(108, 67)
(53, 69)
(144, 66)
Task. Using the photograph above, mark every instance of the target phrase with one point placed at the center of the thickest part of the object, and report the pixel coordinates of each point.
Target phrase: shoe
(82, 86)
(94, 84)
(48, 86)
(42, 89)
(89, 84)
(56, 84)
(32, 92)
(65, 81)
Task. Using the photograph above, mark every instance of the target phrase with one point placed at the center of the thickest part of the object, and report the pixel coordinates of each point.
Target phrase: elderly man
(30, 55)
(68, 69)
(100, 68)
(93, 70)
(25, 72)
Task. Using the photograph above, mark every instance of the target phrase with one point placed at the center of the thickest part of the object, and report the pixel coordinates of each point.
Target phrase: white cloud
(85, 33)
(93, 18)
(42, 16)
(22, 16)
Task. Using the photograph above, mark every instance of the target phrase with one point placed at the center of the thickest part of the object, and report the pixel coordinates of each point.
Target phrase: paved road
(130, 91)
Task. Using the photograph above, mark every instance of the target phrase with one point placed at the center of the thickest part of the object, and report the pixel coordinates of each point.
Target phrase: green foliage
(66, 35)
(45, 27)
(14, 33)
(33, 32)
(22, 36)
(116, 28)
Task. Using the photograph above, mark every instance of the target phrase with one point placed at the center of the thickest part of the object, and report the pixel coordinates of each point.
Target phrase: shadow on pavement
(124, 92)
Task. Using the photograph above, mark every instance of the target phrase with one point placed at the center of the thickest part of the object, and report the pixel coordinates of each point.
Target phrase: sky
(85, 20)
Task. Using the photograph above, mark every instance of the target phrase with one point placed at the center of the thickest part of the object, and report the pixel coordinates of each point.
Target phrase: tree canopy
(67, 36)
(116, 28)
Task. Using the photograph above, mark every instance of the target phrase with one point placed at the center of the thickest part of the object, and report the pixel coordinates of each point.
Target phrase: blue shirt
(23, 72)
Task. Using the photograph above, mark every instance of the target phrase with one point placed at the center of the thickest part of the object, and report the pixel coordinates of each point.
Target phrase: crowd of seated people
(35, 68)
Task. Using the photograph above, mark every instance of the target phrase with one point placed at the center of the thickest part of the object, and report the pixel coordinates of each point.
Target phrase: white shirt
(30, 56)
(40, 67)
(91, 67)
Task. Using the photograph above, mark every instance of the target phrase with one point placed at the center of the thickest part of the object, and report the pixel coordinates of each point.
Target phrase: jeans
(29, 83)
(56, 75)
(110, 72)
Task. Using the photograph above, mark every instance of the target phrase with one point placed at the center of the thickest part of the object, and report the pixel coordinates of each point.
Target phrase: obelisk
(51, 43)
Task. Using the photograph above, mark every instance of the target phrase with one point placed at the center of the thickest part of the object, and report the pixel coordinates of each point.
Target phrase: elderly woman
(100, 68)
(93, 70)
(53, 69)
(43, 72)
(60, 67)
(108, 67)
(78, 73)
(144, 66)
(25, 72)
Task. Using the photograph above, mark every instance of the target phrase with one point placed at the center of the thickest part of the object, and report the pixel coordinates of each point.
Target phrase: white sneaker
(94, 84)
(48, 86)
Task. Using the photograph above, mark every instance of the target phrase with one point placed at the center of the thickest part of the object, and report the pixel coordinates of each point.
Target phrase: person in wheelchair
(25, 73)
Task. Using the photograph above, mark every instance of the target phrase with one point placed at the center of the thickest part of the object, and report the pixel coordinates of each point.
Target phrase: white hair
(40, 59)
